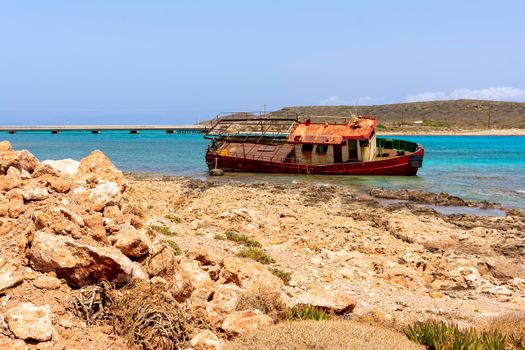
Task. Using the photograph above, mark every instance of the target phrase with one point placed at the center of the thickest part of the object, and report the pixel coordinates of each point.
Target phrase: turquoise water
(473, 167)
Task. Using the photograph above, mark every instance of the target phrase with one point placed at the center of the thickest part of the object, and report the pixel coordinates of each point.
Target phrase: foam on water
(487, 168)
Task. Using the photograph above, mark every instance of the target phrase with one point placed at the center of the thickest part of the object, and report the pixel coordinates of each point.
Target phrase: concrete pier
(96, 129)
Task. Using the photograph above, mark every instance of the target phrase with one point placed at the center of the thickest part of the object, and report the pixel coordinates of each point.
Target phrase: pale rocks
(98, 167)
(330, 301)
(206, 340)
(28, 321)
(12, 344)
(246, 273)
(22, 160)
(242, 321)
(47, 282)
(10, 275)
(64, 166)
(81, 264)
(133, 243)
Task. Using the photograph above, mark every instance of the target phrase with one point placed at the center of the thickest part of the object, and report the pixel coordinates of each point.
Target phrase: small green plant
(240, 238)
(308, 313)
(220, 237)
(284, 275)
(173, 218)
(163, 230)
(435, 124)
(175, 247)
(256, 254)
(444, 336)
(150, 206)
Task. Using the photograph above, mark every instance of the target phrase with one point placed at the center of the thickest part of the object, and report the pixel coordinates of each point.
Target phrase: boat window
(364, 143)
(321, 148)
(307, 148)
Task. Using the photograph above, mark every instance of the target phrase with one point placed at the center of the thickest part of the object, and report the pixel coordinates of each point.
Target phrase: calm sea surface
(474, 167)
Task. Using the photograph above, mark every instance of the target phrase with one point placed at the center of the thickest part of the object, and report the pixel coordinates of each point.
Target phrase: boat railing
(388, 143)
(254, 127)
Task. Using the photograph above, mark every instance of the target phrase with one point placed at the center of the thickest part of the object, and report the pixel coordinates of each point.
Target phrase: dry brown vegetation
(511, 324)
(464, 114)
(312, 335)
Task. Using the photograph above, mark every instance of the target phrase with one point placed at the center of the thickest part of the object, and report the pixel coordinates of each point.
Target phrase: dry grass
(317, 335)
(149, 318)
(511, 325)
(266, 300)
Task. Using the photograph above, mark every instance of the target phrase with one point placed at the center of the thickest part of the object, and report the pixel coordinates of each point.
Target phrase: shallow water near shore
(490, 168)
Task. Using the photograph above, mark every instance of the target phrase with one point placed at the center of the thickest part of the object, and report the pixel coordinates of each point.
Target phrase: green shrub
(173, 218)
(308, 313)
(163, 230)
(444, 336)
(284, 275)
(256, 254)
(175, 247)
(240, 238)
(435, 124)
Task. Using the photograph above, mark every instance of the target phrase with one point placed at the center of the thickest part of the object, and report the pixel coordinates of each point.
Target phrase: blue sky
(125, 61)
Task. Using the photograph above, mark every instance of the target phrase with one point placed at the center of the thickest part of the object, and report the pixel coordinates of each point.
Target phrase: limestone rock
(206, 340)
(246, 273)
(12, 344)
(42, 170)
(224, 301)
(96, 224)
(81, 264)
(96, 198)
(164, 264)
(10, 275)
(330, 301)
(28, 321)
(98, 167)
(198, 277)
(5, 146)
(34, 192)
(203, 256)
(10, 180)
(133, 243)
(47, 282)
(18, 159)
(64, 166)
(16, 203)
(242, 321)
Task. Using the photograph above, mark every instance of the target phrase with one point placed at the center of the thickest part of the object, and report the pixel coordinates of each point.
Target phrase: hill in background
(455, 114)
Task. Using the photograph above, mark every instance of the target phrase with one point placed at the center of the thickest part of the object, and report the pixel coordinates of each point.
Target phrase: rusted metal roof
(332, 134)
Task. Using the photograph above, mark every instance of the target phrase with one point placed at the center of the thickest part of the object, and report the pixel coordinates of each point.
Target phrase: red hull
(391, 166)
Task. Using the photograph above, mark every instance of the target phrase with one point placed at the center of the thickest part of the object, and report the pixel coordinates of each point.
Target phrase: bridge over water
(96, 129)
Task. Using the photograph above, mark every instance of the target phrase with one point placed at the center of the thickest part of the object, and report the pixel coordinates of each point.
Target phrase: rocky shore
(217, 260)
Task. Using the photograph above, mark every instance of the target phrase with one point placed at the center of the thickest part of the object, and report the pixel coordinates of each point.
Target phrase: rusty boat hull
(405, 165)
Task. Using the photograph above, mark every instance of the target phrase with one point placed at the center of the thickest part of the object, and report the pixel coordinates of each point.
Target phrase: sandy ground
(402, 260)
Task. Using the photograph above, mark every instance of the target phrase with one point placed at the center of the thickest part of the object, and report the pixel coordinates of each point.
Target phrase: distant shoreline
(448, 132)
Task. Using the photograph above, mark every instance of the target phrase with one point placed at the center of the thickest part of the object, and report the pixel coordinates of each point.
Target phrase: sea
(483, 168)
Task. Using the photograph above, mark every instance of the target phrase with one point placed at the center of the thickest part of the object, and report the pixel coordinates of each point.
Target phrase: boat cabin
(325, 143)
